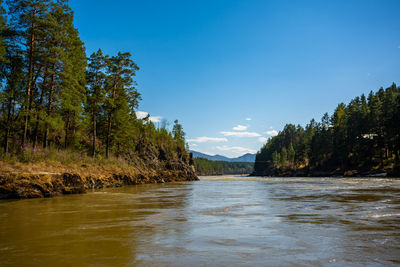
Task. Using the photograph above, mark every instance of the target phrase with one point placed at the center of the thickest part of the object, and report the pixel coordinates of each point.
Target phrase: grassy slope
(51, 173)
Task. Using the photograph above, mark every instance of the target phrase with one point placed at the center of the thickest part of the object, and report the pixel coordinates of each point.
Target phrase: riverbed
(217, 221)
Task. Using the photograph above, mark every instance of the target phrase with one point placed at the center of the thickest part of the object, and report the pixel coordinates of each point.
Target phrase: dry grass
(54, 172)
(65, 161)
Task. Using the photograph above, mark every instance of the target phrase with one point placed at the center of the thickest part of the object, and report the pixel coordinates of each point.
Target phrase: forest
(208, 167)
(53, 97)
(360, 138)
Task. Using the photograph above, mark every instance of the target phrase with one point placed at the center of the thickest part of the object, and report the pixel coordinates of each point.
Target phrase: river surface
(218, 221)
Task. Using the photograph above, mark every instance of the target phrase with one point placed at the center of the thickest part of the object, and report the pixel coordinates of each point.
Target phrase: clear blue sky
(212, 64)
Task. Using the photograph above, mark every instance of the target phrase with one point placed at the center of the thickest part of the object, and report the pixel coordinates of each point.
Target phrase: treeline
(53, 96)
(208, 167)
(362, 137)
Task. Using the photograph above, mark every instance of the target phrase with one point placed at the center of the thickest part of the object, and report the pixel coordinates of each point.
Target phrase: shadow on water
(108, 227)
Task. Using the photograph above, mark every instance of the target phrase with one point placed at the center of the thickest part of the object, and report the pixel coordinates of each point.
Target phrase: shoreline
(40, 184)
(373, 173)
(374, 176)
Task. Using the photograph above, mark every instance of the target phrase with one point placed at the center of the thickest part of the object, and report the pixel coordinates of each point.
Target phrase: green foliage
(177, 131)
(362, 136)
(209, 167)
(52, 98)
(291, 154)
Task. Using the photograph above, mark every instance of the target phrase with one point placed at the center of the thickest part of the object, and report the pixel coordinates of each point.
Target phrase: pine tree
(43, 90)
(361, 136)
(121, 94)
(388, 111)
(291, 154)
(27, 18)
(276, 158)
(283, 157)
(64, 78)
(12, 93)
(396, 124)
(73, 80)
(375, 120)
(96, 82)
(179, 137)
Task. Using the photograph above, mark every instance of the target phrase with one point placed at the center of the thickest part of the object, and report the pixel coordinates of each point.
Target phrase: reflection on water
(217, 221)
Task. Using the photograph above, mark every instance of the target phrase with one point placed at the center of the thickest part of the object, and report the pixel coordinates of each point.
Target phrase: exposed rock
(17, 185)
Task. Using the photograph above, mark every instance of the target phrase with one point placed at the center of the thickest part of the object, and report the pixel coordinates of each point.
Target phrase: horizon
(191, 150)
(242, 70)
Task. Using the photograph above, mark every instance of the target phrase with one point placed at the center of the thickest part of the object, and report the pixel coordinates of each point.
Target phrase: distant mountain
(245, 158)
(209, 157)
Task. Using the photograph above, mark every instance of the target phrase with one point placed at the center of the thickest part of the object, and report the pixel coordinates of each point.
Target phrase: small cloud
(248, 119)
(241, 134)
(143, 114)
(205, 139)
(262, 139)
(236, 149)
(155, 118)
(240, 128)
(271, 127)
(193, 145)
(272, 132)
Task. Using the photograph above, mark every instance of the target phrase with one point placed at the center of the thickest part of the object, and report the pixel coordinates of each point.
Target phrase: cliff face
(34, 184)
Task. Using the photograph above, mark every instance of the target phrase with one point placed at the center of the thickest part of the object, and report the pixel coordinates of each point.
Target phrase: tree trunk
(95, 112)
(94, 132)
(30, 73)
(46, 131)
(6, 136)
(35, 134)
(110, 119)
(6, 140)
(67, 129)
(108, 134)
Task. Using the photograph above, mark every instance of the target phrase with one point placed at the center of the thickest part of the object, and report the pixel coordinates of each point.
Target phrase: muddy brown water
(218, 221)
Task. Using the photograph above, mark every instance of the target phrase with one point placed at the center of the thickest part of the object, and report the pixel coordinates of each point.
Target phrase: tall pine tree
(96, 82)
(121, 95)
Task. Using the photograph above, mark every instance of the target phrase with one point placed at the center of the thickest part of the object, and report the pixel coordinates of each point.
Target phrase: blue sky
(235, 72)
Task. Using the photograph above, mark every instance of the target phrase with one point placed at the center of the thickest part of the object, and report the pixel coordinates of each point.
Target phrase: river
(217, 221)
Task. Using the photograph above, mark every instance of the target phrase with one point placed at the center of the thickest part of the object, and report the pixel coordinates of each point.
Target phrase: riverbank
(306, 172)
(54, 178)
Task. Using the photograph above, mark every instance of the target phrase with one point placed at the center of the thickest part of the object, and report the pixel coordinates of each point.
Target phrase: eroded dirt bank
(34, 183)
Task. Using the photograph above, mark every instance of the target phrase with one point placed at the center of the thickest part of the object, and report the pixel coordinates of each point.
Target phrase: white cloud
(193, 145)
(205, 139)
(272, 132)
(241, 134)
(240, 128)
(155, 118)
(143, 114)
(235, 149)
(248, 119)
(262, 139)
